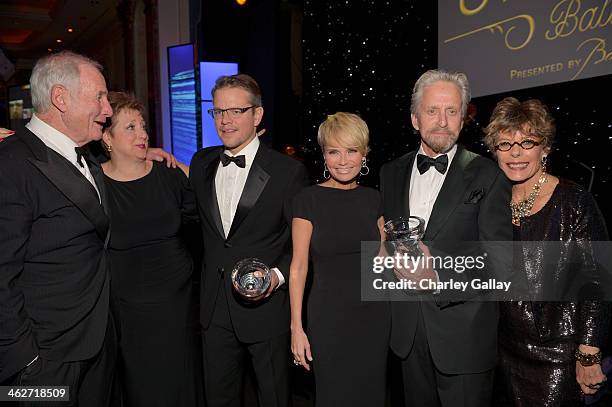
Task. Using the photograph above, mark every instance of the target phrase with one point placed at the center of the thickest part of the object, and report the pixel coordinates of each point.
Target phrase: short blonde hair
(345, 129)
(530, 116)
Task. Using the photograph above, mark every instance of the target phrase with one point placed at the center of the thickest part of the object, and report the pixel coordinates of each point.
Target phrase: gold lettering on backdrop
(536, 71)
(470, 12)
(597, 55)
(499, 27)
(573, 63)
(581, 25)
(609, 18)
(566, 17)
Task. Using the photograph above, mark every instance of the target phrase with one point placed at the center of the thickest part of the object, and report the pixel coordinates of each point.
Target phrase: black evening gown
(537, 340)
(349, 338)
(151, 288)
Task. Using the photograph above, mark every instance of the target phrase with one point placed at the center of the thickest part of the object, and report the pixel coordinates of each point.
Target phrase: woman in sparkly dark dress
(549, 351)
(346, 339)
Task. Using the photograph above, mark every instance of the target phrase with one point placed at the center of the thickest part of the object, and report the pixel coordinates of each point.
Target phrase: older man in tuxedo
(447, 344)
(244, 192)
(55, 328)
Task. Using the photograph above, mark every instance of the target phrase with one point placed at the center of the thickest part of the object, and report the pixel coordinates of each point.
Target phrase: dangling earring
(107, 147)
(365, 167)
(326, 174)
(543, 163)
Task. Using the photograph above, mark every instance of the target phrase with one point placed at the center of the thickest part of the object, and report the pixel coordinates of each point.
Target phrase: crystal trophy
(251, 278)
(404, 235)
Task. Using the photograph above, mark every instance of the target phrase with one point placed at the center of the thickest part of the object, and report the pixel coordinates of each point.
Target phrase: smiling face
(438, 117)
(128, 136)
(520, 165)
(236, 132)
(87, 107)
(343, 163)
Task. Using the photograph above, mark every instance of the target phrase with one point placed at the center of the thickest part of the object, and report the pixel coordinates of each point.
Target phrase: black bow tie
(82, 153)
(424, 163)
(239, 160)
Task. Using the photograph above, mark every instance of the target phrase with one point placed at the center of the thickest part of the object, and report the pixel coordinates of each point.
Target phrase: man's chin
(445, 149)
(96, 136)
(442, 148)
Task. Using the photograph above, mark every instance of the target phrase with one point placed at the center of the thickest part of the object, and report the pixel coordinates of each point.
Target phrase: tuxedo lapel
(98, 175)
(211, 205)
(255, 183)
(450, 195)
(75, 187)
(405, 175)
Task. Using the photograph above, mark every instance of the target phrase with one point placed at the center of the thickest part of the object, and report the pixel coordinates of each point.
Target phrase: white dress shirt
(229, 184)
(424, 188)
(61, 144)
(230, 181)
(64, 146)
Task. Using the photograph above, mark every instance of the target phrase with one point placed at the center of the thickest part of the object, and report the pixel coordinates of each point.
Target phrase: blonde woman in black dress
(346, 339)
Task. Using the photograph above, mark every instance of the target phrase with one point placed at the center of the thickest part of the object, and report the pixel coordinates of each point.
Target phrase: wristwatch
(588, 359)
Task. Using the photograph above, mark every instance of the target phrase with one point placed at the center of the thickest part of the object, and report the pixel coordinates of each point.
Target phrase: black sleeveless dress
(349, 337)
(151, 288)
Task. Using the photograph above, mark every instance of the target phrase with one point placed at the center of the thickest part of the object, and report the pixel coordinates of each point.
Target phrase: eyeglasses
(233, 112)
(525, 145)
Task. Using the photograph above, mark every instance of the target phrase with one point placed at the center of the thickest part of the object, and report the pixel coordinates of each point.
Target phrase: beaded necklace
(523, 208)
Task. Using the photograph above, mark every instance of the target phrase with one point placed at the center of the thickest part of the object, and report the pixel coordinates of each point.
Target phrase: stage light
(70, 29)
(241, 2)
(58, 41)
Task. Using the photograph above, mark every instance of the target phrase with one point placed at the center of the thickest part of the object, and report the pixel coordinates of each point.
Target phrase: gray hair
(61, 68)
(346, 129)
(436, 75)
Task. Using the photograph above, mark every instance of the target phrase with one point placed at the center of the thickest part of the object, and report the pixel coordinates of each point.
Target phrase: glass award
(404, 235)
(251, 278)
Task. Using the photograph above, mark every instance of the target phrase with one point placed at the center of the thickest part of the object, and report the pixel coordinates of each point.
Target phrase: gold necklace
(523, 208)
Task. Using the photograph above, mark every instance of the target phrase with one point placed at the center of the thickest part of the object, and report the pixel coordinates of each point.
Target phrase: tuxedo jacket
(473, 205)
(261, 228)
(54, 282)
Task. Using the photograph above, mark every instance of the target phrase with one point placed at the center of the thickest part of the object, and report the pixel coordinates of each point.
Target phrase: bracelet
(588, 359)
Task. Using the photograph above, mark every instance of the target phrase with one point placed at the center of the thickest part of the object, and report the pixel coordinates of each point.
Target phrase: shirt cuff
(281, 278)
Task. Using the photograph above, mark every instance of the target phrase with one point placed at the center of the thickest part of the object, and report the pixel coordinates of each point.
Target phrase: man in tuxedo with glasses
(244, 192)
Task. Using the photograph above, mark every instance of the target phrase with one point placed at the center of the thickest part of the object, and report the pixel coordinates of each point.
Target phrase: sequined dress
(537, 340)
